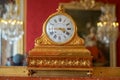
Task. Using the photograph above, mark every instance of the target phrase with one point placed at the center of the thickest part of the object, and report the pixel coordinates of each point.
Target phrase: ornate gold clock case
(59, 47)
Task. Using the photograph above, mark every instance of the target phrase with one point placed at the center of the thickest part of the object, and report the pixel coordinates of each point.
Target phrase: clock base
(60, 58)
(59, 50)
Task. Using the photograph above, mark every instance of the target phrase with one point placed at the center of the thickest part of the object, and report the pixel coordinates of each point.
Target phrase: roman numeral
(51, 33)
(55, 36)
(51, 24)
(55, 20)
(64, 20)
(67, 33)
(67, 24)
(60, 19)
(64, 36)
(68, 28)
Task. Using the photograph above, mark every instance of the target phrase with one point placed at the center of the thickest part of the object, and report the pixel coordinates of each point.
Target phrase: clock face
(60, 28)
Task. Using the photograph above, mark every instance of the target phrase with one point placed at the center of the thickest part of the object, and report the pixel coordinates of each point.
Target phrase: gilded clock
(59, 47)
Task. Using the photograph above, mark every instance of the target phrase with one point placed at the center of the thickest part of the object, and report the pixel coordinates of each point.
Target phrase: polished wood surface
(106, 72)
(97, 71)
(59, 78)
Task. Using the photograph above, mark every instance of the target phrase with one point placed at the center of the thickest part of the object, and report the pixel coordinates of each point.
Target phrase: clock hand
(62, 29)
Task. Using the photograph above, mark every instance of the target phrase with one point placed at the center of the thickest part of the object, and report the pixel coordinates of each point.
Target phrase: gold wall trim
(25, 25)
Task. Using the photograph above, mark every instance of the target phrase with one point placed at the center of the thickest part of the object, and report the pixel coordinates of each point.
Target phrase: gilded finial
(60, 8)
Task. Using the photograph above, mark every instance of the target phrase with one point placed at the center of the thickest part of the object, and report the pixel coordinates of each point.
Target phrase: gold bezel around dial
(61, 27)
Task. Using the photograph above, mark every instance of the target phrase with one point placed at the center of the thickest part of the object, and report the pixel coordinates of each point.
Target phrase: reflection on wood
(13, 71)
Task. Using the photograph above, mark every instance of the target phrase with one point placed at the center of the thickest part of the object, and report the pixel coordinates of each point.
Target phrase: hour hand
(62, 29)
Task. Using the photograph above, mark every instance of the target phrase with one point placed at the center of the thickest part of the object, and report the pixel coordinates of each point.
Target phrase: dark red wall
(39, 10)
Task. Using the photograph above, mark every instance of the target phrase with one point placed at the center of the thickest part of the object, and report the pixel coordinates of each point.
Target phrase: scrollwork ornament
(87, 3)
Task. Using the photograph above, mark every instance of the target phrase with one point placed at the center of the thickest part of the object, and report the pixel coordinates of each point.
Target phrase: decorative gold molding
(84, 5)
(20, 44)
(62, 62)
(25, 26)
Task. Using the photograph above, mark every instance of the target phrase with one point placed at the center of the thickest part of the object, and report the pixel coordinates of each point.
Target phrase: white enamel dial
(60, 28)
